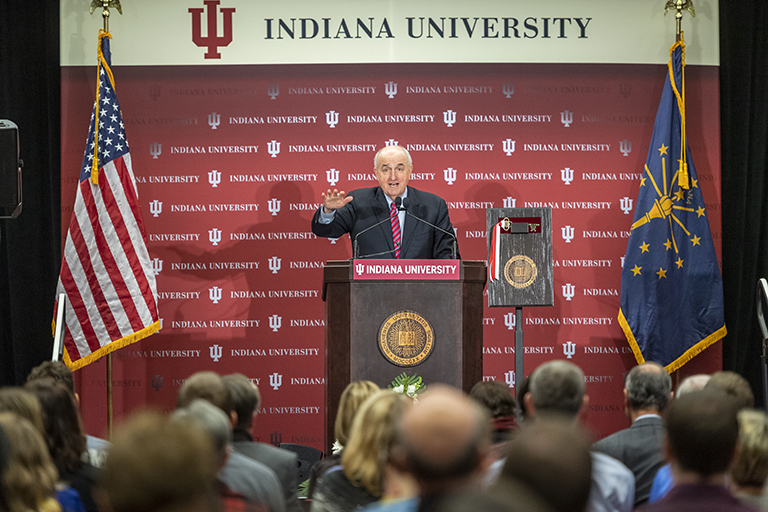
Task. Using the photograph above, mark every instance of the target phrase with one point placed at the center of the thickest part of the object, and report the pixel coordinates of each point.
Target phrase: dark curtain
(744, 147)
(29, 244)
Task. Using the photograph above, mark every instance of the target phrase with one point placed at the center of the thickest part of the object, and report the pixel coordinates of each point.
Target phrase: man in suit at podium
(392, 220)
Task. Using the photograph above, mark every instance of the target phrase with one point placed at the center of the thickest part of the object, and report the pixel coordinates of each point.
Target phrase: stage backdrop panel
(230, 161)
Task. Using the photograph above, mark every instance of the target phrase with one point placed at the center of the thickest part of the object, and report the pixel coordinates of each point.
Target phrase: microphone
(452, 235)
(398, 201)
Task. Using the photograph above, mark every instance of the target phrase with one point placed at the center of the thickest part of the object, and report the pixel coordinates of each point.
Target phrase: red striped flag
(106, 272)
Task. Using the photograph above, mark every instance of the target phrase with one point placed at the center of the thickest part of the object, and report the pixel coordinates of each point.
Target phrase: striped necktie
(395, 220)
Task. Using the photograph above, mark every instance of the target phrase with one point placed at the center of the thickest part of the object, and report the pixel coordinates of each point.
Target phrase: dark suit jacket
(285, 464)
(641, 448)
(369, 206)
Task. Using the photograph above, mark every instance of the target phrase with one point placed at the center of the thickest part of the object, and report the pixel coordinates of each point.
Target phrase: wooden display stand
(358, 302)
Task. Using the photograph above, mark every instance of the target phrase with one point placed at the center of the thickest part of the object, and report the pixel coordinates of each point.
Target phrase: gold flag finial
(679, 5)
(105, 5)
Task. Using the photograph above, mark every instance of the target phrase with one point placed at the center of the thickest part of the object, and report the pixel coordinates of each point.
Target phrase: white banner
(232, 32)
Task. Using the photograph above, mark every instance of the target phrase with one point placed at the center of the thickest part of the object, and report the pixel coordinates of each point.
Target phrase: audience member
(30, 478)
(359, 479)
(212, 420)
(558, 388)
(497, 399)
(64, 437)
(701, 432)
(663, 482)
(735, 386)
(750, 469)
(351, 399)
(26, 405)
(246, 401)
(553, 459)
(647, 391)
(522, 389)
(155, 465)
(97, 448)
(444, 442)
(240, 474)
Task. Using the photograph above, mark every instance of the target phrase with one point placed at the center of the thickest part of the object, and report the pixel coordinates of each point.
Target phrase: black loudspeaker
(10, 170)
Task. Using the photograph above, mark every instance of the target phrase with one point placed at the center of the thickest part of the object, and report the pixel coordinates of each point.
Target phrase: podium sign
(423, 270)
(524, 257)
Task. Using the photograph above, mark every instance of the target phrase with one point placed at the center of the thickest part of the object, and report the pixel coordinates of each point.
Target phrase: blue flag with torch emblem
(671, 288)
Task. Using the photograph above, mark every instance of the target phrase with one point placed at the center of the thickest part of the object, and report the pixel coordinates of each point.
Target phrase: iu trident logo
(274, 206)
(275, 322)
(450, 175)
(625, 146)
(212, 40)
(626, 205)
(509, 321)
(569, 349)
(567, 232)
(332, 175)
(449, 117)
(566, 175)
(156, 208)
(155, 149)
(274, 264)
(214, 178)
(568, 291)
(214, 236)
(214, 294)
(216, 353)
(508, 145)
(332, 118)
(390, 89)
(157, 266)
(275, 380)
(566, 117)
(273, 148)
(509, 378)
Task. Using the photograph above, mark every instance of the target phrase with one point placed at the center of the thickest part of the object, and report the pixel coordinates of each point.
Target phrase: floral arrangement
(409, 386)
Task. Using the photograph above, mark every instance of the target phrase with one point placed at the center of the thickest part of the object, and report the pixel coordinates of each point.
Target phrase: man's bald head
(648, 387)
(445, 436)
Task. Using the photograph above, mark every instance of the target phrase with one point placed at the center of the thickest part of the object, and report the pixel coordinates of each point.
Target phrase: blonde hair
(29, 481)
(372, 437)
(351, 399)
(750, 469)
(24, 404)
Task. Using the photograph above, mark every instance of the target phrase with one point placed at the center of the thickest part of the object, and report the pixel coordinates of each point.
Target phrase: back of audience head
(30, 478)
(207, 386)
(507, 496)
(702, 430)
(648, 388)
(552, 458)
(371, 439)
(692, 383)
(24, 404)
(351, 399)
(157, 465)
(750, 469)
(61, 420)
(735, 386)
(556, 387)
(246, 400)
(444, 441)
(497, 399)
(56, 370)
(210, 419)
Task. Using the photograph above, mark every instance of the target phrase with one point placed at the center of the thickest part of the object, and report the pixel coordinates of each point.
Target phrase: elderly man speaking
(392, 220)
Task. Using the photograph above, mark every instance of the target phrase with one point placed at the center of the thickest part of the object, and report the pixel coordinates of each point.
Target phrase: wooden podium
(436, 307)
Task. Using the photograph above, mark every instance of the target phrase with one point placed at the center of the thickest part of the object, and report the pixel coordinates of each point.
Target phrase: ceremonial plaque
(520, 257)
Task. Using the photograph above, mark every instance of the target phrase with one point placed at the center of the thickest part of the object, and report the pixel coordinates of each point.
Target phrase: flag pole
(678, 6)
(105, 5)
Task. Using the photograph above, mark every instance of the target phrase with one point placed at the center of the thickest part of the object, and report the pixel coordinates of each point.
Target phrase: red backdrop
(202, 145)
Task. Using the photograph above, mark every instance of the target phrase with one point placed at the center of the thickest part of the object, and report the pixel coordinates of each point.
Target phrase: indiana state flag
(671, 288)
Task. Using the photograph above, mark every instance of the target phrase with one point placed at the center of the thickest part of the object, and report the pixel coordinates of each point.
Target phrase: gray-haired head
(557, 386)
(401, 148)
(209, 418)
(648, 387)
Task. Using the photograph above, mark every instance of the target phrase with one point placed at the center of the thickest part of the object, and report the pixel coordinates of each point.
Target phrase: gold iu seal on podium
(406, 338)
(520, 271)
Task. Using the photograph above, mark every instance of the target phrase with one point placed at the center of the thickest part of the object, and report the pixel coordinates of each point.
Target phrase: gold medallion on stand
(520, 271)
(406, 338)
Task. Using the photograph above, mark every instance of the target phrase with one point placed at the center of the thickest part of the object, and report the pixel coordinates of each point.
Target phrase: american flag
(106, 272)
